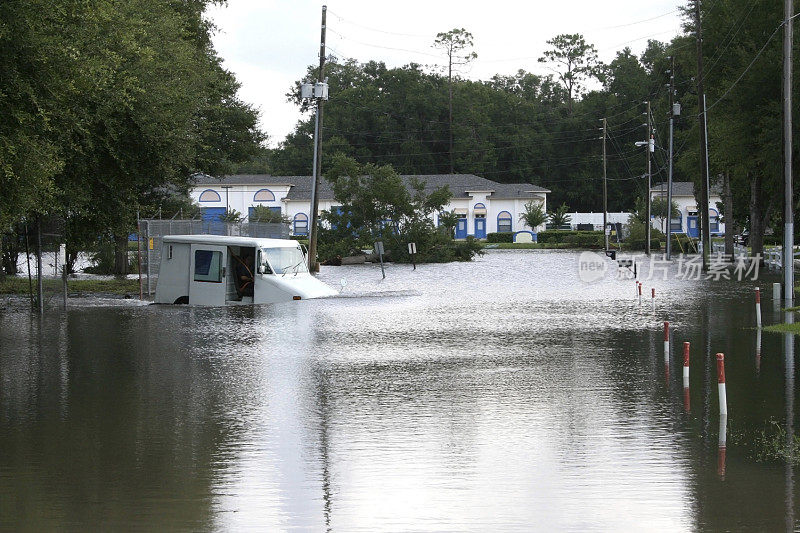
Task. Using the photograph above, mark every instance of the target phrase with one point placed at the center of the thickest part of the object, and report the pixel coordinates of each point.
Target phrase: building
(687, 219)
(482, 206)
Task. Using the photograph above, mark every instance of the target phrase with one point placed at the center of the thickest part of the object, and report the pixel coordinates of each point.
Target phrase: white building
(687, 220)
(483, 206)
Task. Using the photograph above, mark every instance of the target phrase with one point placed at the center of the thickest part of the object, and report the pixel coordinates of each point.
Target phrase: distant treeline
(546, 130)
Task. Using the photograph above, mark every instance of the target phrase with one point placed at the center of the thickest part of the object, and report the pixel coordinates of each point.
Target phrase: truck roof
(222, 240)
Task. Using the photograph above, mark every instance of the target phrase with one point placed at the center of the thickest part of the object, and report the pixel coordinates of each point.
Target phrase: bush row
(500, 237)
(581, 239)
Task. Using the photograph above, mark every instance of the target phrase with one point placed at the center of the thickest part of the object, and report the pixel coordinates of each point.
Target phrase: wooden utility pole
(669, 176)
(312, 239)
(702, 209)
(788, 217)
(648, 149)
(605, 185)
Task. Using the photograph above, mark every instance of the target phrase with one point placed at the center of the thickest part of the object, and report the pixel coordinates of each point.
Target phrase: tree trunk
(121, 255)
(727, 205)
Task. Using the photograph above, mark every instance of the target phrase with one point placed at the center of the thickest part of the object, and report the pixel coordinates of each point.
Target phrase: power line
(755, 58)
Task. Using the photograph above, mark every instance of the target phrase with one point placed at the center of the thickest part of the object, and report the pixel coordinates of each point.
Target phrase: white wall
(240, 198)
(684, 203)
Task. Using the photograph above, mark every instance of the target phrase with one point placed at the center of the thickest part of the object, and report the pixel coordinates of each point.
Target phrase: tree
(264, 214)
(454, 43)
(658, 209)
(448, 220)
(574, 61)
(560, 216)
(377, 204)
(109, 105)
(534, 215)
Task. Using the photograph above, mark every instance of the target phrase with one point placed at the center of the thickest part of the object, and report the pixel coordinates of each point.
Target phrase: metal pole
(605, 187)
(312, 241)
(312, 230)
(788, 226)
(649, 178)
(28, 257)
(706, 193)
(40, 288)
(147, 241)
(139, 252)
(669, 177)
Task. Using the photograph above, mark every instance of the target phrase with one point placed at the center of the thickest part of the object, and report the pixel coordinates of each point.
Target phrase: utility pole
(788, 222)
(312, 239)
(649, 144)
(650, 148)
(669, 178)
(605, 185)
(701, 100)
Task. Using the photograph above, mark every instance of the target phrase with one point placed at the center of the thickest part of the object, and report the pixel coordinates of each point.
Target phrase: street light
(227, 204)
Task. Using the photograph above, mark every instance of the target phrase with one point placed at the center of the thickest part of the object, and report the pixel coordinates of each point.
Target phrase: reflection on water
(497, 395)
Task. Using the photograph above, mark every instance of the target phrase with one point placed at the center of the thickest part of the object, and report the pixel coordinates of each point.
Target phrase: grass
(121, 286)
(784, 328)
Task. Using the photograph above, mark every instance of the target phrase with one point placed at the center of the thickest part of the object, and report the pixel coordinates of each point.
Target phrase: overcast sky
(268, 44)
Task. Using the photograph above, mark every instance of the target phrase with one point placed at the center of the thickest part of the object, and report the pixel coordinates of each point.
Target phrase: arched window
(264, 195)
(210, 195)
(504, 222)
(713, 221)
(479, 210)
(300, 224)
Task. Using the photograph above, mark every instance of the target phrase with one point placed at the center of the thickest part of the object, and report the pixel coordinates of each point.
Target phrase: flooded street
(503, 394)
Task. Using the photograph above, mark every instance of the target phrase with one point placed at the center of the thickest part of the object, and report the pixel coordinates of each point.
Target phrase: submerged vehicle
(219, 270)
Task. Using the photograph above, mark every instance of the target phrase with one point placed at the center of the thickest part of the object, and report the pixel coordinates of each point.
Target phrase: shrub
(582, 239)
(500, 237)
(102, 258)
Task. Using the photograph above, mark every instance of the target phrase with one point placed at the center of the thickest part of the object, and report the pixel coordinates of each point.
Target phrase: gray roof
(459, 184)
(682, 188)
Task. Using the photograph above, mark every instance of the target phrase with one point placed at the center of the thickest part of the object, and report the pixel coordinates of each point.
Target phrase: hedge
(579, 239)
(500, 237)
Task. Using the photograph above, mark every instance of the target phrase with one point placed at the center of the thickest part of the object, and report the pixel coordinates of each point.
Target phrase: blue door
(461, 228)
(212, 220)
(480, 228)
(691, 227)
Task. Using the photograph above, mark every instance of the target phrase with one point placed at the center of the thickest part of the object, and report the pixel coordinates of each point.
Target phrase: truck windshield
(286, 260)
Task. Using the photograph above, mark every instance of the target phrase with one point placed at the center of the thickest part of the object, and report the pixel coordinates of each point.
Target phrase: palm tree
(533, 216)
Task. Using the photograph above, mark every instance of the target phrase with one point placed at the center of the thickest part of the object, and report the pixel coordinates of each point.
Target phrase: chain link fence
(151, 232)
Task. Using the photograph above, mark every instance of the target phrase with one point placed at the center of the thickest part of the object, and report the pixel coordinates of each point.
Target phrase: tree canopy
(109, 107)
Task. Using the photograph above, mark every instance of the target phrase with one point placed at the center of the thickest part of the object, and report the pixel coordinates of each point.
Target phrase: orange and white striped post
(721, 450)
(758, 308)
(723, 399)
(686, 397)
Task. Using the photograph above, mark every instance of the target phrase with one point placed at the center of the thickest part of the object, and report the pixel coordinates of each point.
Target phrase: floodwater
(503, 394)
